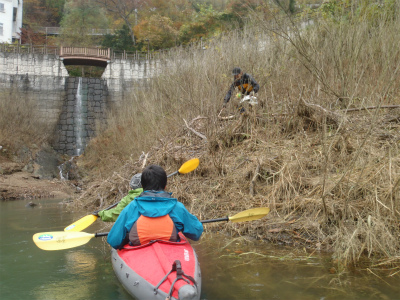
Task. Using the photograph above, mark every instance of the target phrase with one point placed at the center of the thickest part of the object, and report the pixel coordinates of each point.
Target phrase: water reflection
(255, 270)
(82, 267)
(232, 268)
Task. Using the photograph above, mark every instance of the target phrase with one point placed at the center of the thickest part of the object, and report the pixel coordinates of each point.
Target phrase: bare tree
(124, 9)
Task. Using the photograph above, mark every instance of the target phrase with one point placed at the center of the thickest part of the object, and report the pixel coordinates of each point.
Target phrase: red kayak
(159, 270)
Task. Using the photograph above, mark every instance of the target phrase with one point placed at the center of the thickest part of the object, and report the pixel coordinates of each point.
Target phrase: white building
(10, 20)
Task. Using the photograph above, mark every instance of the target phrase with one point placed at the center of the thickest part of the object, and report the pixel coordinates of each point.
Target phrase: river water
(231, 268)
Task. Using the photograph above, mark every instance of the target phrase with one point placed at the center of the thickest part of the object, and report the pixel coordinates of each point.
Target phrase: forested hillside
(141, 25)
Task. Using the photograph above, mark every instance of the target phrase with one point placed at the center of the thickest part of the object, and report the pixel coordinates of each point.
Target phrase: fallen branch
(195, 132)
(144, 159)
(317, 114)
(196, 119)
(225, 118)
(371, 107)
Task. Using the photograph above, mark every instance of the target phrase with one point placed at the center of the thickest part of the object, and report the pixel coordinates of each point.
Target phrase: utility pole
(148, 47)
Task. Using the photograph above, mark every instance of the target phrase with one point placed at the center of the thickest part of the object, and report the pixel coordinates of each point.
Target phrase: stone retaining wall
(47, 91)
(44, 78)
(77, 122)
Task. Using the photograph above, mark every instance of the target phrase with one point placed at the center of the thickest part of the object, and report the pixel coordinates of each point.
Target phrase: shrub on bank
(322, 150)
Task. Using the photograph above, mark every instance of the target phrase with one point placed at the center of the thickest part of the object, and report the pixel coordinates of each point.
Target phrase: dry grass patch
(329, 174)
(20, 125)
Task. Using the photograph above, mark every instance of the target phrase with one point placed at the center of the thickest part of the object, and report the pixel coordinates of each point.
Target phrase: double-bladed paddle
(59, 240)
(88, 220)
(246, 215)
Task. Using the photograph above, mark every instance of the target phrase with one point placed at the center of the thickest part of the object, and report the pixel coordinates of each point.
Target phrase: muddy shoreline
(24, 185)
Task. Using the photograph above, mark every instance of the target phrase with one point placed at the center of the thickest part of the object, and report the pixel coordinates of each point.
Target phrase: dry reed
(20, 126)
(330, 176)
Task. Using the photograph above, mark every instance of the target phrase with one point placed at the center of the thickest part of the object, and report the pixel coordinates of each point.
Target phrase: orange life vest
(245, 88)
(146, 229)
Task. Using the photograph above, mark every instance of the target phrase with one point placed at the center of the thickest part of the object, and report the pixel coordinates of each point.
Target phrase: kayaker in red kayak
(155, 215)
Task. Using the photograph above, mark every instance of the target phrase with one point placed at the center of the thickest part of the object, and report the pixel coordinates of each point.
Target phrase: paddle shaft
(65, 240)
(100, 234)
(172, 174)
(204, 221)
(215, 220)
(115, 204)
(111, 206)
(238, 217)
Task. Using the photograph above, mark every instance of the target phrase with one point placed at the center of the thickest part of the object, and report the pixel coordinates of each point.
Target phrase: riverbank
(18, 184)
(327, 190)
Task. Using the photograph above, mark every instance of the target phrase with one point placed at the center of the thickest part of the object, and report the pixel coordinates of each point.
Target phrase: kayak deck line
(159, 270)
(180, 275)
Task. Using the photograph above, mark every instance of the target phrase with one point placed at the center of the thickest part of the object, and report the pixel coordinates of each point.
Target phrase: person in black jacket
(245, 84)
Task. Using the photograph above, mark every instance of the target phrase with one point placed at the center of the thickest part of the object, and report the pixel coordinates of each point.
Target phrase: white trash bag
(252, 100)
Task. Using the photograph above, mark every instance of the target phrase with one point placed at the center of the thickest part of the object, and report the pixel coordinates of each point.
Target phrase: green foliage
(377, 12)
(121, 40)
(206, 22)
(156, 24)
(241, 8)
(85, 71)
(292, 6)
(374, 11)
(192, 32)
(289, 6)
(79, 19)
(160, 32)
(157, 32)
(43, 12)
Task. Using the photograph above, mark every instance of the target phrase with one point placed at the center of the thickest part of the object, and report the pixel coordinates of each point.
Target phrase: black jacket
(245, 84)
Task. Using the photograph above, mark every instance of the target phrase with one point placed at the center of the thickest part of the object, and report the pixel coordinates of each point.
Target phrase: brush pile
(331, 179)
(321, 149)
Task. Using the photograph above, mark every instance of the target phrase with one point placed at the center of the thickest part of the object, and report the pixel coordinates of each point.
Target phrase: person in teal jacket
(149, 216)
(112, 214)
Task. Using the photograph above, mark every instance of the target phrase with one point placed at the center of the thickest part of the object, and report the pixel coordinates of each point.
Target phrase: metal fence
(81, 51)
(59, 30)
(27, 48)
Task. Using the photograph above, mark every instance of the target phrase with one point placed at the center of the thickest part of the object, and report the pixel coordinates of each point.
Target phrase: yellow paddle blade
(250, 214)
(81, 223)
(189, 166)
(59, 240)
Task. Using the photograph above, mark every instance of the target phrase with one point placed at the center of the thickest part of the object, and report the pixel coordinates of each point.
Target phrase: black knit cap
(236, 71)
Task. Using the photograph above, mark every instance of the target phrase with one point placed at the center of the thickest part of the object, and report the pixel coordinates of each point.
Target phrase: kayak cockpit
(159, 270)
